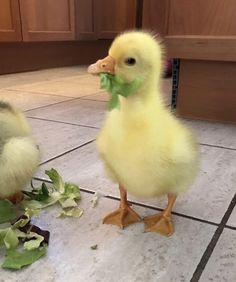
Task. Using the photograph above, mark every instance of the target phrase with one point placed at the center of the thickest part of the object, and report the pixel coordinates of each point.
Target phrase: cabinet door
(84, 19)
(10, 25)
(113, 16)
(203, 29)
(155, 16)
(47, 20)
(203, 35)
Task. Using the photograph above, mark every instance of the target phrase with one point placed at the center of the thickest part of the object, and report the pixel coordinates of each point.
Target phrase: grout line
(95, 100)
(94, 127)
(41, 93)
(69, 98)
(41, 107)
(64, 122)
(67, 152)
(160, 209)
(215, 238)
(115, 198)
(230, 227)
(217, 146)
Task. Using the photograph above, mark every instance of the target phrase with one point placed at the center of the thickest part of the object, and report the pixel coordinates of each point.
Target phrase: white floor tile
(56, 138)
(26, 100)
(81, 112)
(214, 133)
(101, 96)
(17, 79)
(222, 264)
(76, 86)
(232, 219)
(129, 254)
(121, 255)
(208, 198)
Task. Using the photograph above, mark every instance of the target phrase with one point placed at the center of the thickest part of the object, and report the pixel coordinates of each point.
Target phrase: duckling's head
(132, 55)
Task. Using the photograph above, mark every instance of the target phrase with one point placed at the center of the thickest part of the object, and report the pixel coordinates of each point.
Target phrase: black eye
(130, 61)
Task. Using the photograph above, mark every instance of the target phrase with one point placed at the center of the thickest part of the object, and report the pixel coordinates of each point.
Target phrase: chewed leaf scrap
(59, 191)
(115, 86)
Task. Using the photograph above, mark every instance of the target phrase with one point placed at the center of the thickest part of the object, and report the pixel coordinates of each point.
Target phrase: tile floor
(66, 107)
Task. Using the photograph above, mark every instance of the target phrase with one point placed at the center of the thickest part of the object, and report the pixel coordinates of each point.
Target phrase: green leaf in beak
(116, 86)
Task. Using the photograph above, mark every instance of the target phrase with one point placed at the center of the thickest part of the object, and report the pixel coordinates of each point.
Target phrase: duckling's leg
(162, 223)
(123, 216)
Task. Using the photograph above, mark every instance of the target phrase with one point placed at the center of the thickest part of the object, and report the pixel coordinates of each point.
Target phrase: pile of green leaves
(116, 86)
(24, 242)
(64, 193)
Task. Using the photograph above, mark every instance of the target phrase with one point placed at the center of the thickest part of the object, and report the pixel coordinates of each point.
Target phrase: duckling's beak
(106, 65)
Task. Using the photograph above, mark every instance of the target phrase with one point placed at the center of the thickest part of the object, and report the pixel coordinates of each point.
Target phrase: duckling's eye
(130, 61)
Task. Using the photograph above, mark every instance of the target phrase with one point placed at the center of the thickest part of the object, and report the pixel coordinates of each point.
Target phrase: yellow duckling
(19, 156)
(144, 147)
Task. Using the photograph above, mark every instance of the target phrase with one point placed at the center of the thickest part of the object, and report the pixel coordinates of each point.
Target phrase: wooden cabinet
(155, 16)
(10, 25)
(104, 19)
(113, 16)
(202, 18)
(202, 34)
(48, 20)
(59, 20)
(84, 10)
(203, 29)
(207, 90)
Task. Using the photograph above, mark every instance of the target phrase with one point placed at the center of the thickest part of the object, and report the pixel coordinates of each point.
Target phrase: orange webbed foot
(159, 223)
(122, 217)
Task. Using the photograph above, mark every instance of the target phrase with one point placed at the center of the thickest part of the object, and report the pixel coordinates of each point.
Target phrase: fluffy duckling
(144, 147)
(19, 156)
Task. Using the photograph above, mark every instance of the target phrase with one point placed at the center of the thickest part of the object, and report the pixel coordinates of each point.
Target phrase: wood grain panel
(48, 20)
(155, 16)
(202, 17)
(113, 16)
(207, 90)
(84, 10)
(5, 15)
(202, 47)
(26, 56)
(10, 24)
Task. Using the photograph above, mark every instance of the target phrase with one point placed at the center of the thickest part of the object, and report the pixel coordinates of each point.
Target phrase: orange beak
(106, 65)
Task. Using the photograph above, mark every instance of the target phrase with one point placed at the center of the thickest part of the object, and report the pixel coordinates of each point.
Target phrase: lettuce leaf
(63, 192)
(38, 194)
(56, 180)
(72, 212)
(94, 247)
(7, 212)
(9, 238)
(67, 203)
(35, 241)
(115, 86)
(72, 191)
(96, 196)
(17, 259)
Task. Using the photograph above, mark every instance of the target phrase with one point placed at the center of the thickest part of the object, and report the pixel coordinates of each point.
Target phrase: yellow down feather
(144, 147)
(19, 156)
